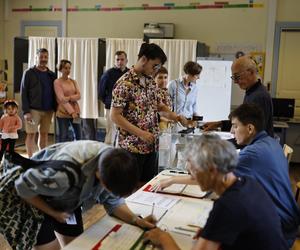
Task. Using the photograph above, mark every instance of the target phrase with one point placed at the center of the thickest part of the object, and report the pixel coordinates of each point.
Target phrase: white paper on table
(187, 212)
(148, 198)
(145, 210)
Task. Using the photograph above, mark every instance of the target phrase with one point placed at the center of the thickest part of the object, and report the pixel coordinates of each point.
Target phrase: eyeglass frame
(157, 66)
(237, 76)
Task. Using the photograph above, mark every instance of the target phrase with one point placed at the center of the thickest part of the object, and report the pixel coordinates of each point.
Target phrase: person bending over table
(243, 217)
(39, 196)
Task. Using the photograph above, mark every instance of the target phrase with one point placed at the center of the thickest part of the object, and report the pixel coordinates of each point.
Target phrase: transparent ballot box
(172, 147)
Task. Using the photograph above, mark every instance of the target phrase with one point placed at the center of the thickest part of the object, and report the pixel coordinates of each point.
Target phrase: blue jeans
(63, 128)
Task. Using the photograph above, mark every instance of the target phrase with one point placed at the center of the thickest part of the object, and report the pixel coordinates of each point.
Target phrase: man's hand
(28, 117)
(146, 223)
(211, 126)
(147, 137)
(60, 216)
(186, 123)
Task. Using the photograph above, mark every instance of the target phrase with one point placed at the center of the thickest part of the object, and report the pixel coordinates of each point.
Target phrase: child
(161, 80)
(10, 122)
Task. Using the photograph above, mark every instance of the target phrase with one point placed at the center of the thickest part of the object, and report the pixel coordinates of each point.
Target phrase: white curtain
(130, 46)
(178, 53)
(36, 43)
(83, 53)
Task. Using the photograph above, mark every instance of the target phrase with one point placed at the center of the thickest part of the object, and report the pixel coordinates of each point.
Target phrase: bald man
(244, 73)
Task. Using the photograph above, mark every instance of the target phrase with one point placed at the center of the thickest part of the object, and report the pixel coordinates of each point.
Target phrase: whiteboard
(214, 90)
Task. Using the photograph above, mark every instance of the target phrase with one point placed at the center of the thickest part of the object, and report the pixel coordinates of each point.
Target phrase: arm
(117, 117)
(1, 122)
(204, 244)
(125, 214)
(25, 93)
(37, 202)
(77, 95)
(161, 184)
(167, 113)
(61, 98)
(17, 125)
(103, 83)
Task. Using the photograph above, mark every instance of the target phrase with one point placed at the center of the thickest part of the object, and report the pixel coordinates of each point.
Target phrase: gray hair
(210, 150)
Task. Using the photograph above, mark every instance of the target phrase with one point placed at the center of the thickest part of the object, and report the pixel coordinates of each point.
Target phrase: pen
(186, 229)
(152, 211)
(186, 234)
(177, 172)
(191, 225)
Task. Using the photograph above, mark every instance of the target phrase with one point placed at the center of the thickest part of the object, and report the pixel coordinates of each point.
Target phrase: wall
(212, 26)
(288, 11)
(1, 29)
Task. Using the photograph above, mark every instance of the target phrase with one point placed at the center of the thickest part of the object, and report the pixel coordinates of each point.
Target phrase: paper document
(148, 198)
(71, 220)
(187, 212)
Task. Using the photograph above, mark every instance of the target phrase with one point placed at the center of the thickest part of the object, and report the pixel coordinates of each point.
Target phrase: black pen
(177, 172)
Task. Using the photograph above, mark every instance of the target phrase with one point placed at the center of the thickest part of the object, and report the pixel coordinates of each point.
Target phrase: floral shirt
(166, 98)
(138, 96)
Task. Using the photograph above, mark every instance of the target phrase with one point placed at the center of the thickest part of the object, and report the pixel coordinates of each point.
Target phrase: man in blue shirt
(106, 86)
(183, 91)
(38, 101)
(263, 160)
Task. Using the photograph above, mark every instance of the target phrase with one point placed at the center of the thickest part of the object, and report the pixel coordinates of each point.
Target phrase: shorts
(49, 225)
(148, 165)
(41, 122)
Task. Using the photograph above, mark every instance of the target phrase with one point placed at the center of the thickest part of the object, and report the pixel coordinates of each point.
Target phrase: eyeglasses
(156, 66)
(237, 76)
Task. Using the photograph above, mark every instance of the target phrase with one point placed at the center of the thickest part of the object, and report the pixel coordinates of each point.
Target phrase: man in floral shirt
(135, 107)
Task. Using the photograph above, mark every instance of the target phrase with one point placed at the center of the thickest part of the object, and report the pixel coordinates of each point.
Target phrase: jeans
(63, 128)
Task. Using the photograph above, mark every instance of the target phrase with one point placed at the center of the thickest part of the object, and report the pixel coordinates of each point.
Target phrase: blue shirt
(184, 99)
(263, 160)
(47, 90)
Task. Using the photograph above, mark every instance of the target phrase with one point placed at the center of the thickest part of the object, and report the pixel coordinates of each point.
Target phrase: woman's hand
(160, 238)
(75, 115)
(161, 184)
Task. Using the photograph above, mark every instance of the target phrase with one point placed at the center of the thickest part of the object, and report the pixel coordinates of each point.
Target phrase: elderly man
(237, 220)
(263, 160)
(106, 85)
(244, 73)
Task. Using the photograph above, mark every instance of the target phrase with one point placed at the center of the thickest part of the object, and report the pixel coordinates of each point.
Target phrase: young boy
(161, 80)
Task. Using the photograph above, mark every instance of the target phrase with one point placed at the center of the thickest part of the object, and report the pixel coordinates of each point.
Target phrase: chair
(288, 151)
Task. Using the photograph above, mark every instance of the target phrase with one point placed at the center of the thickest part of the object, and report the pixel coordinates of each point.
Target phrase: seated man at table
(243, 217)
(263, 160)
(39, 196)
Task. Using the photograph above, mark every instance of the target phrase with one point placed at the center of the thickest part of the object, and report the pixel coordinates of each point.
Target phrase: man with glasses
(134, 109)
(244, 73)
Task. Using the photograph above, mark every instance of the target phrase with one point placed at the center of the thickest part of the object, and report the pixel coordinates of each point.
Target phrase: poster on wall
(259, 58)
(214, 90)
